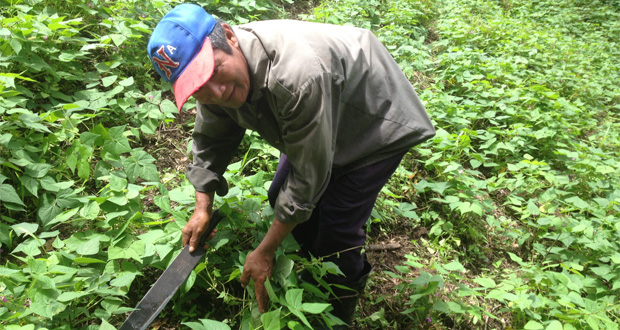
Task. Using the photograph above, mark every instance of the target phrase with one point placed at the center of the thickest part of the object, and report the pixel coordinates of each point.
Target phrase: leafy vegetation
(517, 198)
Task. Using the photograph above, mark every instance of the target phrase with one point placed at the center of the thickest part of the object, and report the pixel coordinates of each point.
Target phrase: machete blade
(168, 283)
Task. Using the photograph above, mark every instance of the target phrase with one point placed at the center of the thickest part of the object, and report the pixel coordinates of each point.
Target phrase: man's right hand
(199, 222)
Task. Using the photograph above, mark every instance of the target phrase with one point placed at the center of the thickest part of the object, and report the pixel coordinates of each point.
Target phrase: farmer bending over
(330, 98)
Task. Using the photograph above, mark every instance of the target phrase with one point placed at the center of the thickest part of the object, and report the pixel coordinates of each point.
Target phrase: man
(330, 98)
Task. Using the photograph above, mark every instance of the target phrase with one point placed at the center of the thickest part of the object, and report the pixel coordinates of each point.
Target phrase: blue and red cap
(181, 50)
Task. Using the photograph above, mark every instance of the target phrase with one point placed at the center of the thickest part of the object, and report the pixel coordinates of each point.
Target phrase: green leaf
(83, 167)
(189, 281)
(314, 308)
(441, 306)
(111, 304)
(439, 187)
(62, 217)
(72, 160)
(8, 195)
(16, 45)
(68, 296)
(126, 82)
(117, 143)
(90, 139)
(135, 251)
(554, 325)
(168, 107)
(476, 208)
(581, 227)
(604, 169)
(107, 81)
(106, 326)
(84, 260)
(5, 138)
(118, 39)
(293, 298)
(46, 309)
(271, 320)
(516, 258)
(272, 295)
(37, 266)
(207, 325)
(6, 234)
(141, 164)
(37, 170)
(123, 279)
(89, 247)
(74, 106)
(90, 211)
(455, 266)
(48, 183)
(30, 184)
(577, 202)
(466, 207)
(475, 163)
(7, 80)
(456, 307)
(25, 228)
(17, 327)
(181, 196)
(8, 272)
(195, 325)
(532, 208)
(486, 282)
(30, 247)
(294, 305)
(295, 325)
(533, 325)
(117, 183)
(282, 269)
(592, 321)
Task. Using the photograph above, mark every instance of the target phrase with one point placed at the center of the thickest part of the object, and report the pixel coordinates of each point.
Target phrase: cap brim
(197, 72)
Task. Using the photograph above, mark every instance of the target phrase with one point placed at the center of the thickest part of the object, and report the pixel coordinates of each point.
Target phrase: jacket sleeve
(308, 135)
(216, 138)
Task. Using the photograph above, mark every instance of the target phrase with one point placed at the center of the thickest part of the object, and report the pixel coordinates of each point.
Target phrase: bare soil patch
(169, 144)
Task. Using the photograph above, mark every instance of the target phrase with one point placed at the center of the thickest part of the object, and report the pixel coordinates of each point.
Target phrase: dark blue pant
(337, 222)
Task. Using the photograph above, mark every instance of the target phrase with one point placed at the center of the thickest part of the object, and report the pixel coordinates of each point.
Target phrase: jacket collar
(257, 58)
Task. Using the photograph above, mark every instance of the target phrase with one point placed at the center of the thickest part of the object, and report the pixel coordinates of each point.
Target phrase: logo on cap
(167, 63)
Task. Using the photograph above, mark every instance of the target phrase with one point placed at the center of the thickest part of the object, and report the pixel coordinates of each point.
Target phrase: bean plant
(517, 196)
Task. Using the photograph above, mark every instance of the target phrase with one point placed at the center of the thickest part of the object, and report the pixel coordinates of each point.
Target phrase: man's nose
(214, 90)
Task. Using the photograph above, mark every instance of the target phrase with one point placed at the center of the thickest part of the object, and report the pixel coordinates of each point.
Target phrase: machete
(168, 283)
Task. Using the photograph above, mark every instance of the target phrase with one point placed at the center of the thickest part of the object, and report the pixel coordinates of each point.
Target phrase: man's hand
(259, 263)
(258, 266)
(199, 222)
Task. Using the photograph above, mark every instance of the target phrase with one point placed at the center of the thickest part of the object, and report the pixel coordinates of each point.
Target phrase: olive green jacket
(329, 97)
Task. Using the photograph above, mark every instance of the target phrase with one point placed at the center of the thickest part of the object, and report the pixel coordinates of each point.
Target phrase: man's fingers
(261, 295)
(186, 234)
(193, 242)
(185, 238)
(245, 278)
(212, 234)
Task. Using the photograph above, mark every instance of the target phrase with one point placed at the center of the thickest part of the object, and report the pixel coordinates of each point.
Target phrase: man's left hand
(259, 263)
(258, 266)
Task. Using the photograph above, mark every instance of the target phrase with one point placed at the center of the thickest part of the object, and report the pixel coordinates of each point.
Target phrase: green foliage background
(519, 191)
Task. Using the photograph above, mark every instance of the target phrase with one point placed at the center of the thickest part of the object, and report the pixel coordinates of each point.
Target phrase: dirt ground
(169, 143)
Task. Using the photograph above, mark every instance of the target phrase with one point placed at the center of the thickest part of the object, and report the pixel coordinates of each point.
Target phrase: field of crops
(509, 218)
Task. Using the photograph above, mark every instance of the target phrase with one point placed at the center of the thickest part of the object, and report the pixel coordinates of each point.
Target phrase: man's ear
(230, 35)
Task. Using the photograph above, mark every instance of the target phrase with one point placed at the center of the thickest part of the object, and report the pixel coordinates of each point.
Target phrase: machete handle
(216, 217)
(168, 283)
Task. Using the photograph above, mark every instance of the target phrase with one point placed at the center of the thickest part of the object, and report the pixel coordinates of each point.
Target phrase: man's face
(230, 83)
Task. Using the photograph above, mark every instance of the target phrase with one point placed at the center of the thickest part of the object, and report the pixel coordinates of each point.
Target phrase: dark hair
(218, 38)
